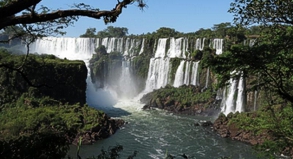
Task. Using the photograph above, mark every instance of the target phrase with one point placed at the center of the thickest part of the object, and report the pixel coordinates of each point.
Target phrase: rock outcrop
(106, 128)
(227, 129)
(187, 100)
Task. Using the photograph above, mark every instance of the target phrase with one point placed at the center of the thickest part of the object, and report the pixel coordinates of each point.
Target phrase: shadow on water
(112, 111)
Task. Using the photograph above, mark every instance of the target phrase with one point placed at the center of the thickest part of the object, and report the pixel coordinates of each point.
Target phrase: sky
(182, 15)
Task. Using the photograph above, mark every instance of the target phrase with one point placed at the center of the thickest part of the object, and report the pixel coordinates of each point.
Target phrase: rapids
(153, 133)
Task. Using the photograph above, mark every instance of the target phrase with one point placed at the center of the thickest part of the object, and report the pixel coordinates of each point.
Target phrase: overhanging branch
(109, 16)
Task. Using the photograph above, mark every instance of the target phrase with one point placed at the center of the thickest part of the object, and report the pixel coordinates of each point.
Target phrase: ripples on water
(154, 133)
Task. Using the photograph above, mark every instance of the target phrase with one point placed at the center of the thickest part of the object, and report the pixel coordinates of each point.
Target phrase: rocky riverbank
(227, 127)
(104, 129)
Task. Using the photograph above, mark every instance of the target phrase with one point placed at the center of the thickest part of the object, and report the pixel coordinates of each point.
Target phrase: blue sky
(181, 15)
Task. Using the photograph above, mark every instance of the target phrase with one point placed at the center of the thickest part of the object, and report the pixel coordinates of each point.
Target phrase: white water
(235, 103)
(229, 104)
(127, 85)
(152, 133)
(158, 73)
(179, 76)
(187, 73)
(161, 48)
(175, 48)
(194, 74)
(218, 45)
(142, 47)
(199, 45)
(240, 96)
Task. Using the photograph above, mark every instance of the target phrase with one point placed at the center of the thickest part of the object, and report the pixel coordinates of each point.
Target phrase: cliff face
(41, 76)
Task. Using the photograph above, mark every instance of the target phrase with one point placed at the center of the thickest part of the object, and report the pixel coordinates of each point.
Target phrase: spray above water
(122, 85)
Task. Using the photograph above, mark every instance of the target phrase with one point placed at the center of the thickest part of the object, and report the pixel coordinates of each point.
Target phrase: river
(155, 133)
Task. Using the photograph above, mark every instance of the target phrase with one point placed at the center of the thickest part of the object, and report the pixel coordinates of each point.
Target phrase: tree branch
(15, 7)
(109, 16)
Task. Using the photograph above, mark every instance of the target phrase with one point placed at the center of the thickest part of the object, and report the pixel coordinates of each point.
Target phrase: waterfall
(127, 46)
(229, 105)
(120, 45)
(70, 48)
(175, 48)
(159, 66)
(142, 47)
(235, 103)
(158, 73)
(194, 74)
(185, 53)
(76, 49)
(187, 73)
(121, 85)
(179, 76)
(127, 85)
(161, 48)
(199, 45)
(218, 45)
(240, 102)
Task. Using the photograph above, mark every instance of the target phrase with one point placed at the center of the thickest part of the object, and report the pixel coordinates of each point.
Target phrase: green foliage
(140, 65)
(103, 65)
(51, 75)
(101, 50)
(248, 12)
(89, 33)
(175, 62)
(46, 129)
(196, 55)
(185, 95)
(276, 123)
(112, 32)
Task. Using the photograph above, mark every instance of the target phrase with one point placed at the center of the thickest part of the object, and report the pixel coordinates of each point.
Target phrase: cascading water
(161, 48)
(235, 103)
(142, 47)
(187, 73)
(218, 45)
(199, 45)
(229, 104)
(70, 48)
(127, 85)
(240, 102)
(158, 74)
(179, 76)
(151, 133)
(175, 48)
(194, 74)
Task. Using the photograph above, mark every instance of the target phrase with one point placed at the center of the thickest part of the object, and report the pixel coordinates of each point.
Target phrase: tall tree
(262, 11)
(113, 32)
(90, 33)
(270, 56)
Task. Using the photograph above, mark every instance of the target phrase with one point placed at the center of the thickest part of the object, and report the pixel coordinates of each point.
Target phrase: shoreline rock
(227, 129)
(105, 129)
